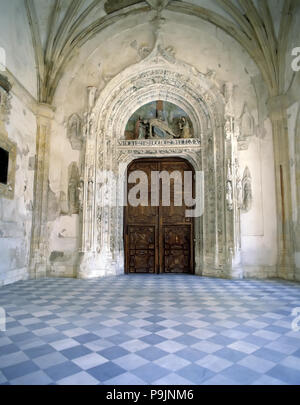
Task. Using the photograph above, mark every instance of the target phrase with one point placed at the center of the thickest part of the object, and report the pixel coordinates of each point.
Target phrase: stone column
(278, 116)
(39, 237)
(87, 254)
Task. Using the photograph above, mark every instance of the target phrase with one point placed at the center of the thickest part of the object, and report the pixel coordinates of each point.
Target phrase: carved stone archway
(213, 150)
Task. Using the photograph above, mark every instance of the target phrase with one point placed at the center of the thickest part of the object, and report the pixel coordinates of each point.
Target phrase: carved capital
(44, 113)
(277, 106)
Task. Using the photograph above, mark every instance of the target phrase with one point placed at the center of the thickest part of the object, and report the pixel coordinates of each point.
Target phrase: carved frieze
(166, 143)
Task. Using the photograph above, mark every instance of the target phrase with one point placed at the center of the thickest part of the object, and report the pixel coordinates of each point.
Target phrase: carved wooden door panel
(158, 239)
(141, 236)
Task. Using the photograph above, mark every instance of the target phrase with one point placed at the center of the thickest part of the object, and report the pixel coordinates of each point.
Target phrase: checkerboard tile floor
(141, 329)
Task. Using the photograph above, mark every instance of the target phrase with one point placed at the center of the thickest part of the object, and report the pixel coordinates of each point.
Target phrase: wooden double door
(158, 239)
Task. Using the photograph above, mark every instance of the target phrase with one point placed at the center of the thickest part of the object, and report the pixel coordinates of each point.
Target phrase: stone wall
(15, 39)
(16, 214)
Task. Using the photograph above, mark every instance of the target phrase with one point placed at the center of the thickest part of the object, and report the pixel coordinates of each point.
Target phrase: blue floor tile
(125, 330)
(75, 352)
(150, 372)
(86, 338)
(152, 353)
(22, 337)
(106, 371)
(240, 374)
(230, 354)
(113, 352)
(286, 374)
(39, 351)
(186, 340)
(62, 370)
(191, 354)
(8, 349)
(19, 370)
(195, 373)
(153, 339)
(269, 354)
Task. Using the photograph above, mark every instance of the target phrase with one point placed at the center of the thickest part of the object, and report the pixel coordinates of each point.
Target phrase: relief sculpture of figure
(143, 129)
(160, 120)
(247, 197)
(137, 128)
(184, 126)
(247, 190)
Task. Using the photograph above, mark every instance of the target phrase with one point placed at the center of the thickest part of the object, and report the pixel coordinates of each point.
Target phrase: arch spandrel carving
(166, 79)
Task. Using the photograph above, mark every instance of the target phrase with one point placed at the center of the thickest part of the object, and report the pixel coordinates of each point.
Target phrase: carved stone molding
(161, 144)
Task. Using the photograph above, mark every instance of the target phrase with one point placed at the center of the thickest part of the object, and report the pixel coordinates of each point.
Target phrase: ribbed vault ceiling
(59, 27)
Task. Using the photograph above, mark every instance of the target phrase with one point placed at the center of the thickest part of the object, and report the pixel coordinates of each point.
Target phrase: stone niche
(8, 149)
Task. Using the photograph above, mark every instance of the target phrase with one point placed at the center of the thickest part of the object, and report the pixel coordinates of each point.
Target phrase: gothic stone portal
(206, 140)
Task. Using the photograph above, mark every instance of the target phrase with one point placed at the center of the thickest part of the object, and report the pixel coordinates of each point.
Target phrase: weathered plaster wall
(15, 39)
(258, 226)
(209, 49)
(63, 226)
(16, 214)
